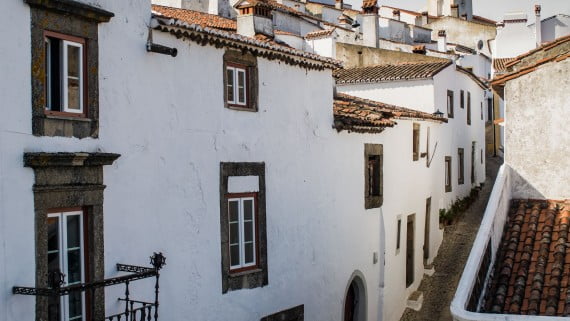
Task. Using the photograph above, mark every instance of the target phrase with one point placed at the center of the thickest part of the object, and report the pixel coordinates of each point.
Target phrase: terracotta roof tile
(363, 115)
(499, 64)
(391, 72)
(197, 17)
(532, 270)
(319, 34)
(369, 3)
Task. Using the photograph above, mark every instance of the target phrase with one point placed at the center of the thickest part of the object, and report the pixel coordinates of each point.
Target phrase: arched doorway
(355, 299)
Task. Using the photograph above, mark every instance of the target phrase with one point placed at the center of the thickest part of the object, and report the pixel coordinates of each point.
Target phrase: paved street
(439, 289)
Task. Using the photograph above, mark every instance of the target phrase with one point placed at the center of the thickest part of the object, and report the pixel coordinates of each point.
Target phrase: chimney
(419, 49)
(396, 14)
(425, 18)
(455, 10)
(338, 4)
(441, 41)
(254, 18)
(370, 23)
(538, 25)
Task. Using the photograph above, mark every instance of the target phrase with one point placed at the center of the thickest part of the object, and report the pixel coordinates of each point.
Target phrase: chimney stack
(338, 4)
(538, 25)
(425, 18)
(441, 41)
(370, 23)
(396, 14)
(455, 10)
(254, 18)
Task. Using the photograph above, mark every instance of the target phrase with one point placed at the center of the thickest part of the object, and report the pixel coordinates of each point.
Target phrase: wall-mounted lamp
(438, 114)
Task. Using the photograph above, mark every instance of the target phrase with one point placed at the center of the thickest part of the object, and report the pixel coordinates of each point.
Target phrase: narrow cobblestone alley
(439, 289)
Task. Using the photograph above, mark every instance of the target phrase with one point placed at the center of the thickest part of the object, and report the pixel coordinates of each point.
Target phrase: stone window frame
(296, 313)
(76, 20)
(251, 278)
(64, 181)
(247, 61)
(373, 201)
(448, 174)
(460, 166)
(416, 142)
(449, 103)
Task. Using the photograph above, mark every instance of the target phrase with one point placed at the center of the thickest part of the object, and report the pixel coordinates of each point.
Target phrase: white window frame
(62, 234)
(241, 231)
(65, 75)
(235, 71)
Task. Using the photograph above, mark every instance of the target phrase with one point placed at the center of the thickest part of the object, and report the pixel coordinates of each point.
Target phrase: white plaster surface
(243, 184)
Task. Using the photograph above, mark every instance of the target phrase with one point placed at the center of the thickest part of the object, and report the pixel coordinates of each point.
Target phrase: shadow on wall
(522, 188)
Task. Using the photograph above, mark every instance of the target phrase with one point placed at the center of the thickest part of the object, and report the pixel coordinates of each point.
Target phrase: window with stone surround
(240, 81)
(64, 46)
(243, 226)
(373, 175)
(68, 203)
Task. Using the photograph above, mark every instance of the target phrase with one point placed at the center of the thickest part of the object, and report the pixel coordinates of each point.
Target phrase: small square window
(240, 81)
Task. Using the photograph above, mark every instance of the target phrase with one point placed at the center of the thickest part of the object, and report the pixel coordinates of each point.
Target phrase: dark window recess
(481, 110)
(416, 142)
(53, 61)
(398, 234)
(293, 314)
(447, 174)
(462, 99)
(489, 110)
(461, 176)
(450, 104)
(373, 185)
(468, 108)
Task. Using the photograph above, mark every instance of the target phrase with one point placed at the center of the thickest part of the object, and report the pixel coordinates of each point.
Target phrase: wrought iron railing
(134, 310)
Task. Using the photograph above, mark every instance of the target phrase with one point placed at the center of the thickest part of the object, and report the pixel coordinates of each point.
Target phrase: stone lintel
(38, 160)
(73, 8)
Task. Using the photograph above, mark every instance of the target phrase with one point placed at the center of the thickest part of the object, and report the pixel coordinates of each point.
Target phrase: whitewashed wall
(513, 39)
(480, 64)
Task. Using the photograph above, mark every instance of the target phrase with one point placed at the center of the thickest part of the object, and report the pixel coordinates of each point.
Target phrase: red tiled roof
(197, 17)
(532, 272)
(544, 47)
(499, 64)
(319, 34)
(362, 115)
(391, 72)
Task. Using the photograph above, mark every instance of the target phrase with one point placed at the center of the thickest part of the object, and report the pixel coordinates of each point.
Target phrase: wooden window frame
(448, 176)
(255, 265)
(416, 142)
(85, 230)
(84, 85)
(460, 166)
(238, 67)
(449, 103)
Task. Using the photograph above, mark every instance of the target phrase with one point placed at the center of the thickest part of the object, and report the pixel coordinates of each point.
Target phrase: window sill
(242, 273)
(68, 117)
(240, 108)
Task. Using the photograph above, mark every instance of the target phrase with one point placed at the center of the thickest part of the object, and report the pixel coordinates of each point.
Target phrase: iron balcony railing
(134, 310)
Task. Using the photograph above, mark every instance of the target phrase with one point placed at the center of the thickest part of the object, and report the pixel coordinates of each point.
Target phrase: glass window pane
(73, 77)
(53, 308)
(53, 262)
(75, 306)
(74, 266)
(248, 231)
(247, 210)
(248, 253)
(234, 255)
(73, 231)
(233, 209)
(73, 94)
(230, 82)
(53, 233)
(234, 233)
(73, 61)
(241, 86)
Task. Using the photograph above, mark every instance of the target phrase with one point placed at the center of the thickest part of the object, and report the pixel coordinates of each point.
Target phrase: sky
(492, 9)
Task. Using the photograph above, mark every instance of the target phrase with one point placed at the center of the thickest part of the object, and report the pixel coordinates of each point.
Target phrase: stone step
(415, 301)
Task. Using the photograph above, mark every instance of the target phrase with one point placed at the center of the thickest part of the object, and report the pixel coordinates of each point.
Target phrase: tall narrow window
(66, 255)
(460, 167)
(242, 232)
(481, 110)
(398, 233)
(468, 108)
(462, 99)
(372, 176)
(416, 142)
(236, 85)
(64, 73)
(450, 104)
(447, 174)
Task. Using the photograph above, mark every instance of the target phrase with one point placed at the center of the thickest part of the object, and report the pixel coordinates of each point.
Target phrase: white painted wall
(387, 12)
(331, 14)
(513, 39)
(416, 94)
(480, 64)
(324, 46)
